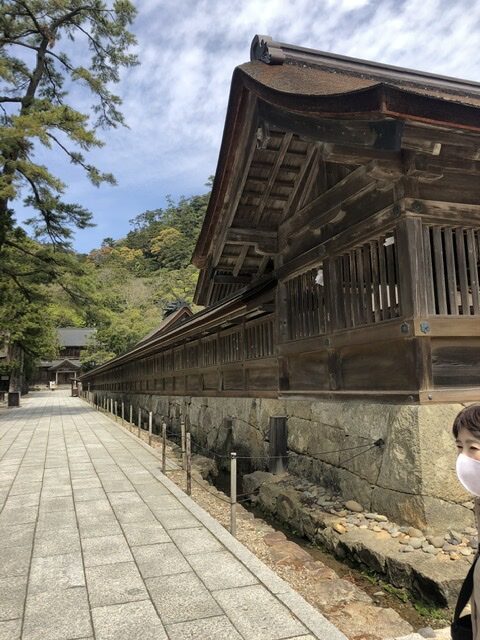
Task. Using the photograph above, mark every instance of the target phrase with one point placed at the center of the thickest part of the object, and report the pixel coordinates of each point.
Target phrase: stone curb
(315, 622)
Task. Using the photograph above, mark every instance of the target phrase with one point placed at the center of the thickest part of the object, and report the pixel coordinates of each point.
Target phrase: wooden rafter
(295, 194)
(265, 242)
(240, 260)
(281, 153)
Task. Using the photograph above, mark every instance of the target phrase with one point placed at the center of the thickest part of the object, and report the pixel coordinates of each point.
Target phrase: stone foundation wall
(410, 479)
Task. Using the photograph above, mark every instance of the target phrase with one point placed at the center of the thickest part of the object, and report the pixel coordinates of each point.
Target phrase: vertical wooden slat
(307, 290)
(473, 268)
(301, 287)
(313, 302)
(462, 270)
(347, 284)
(361, 286)
(297, 310)
(308, 306)
(430, 285)
(373, 250)
(333, 296)
(383, 280)
(451, 276)
(368, 284)
(392, 288)
(353, 279)
(439, 271)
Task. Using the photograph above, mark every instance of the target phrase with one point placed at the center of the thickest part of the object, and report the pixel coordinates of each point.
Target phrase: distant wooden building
(339, 256)
(72, 340)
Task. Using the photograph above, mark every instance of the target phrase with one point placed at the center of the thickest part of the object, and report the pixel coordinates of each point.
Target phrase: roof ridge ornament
(266, 49)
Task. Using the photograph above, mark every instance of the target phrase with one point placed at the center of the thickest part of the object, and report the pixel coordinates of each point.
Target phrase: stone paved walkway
(96, 543)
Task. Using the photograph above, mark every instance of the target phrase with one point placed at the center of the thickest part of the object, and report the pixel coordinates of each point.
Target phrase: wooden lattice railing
(452, 270)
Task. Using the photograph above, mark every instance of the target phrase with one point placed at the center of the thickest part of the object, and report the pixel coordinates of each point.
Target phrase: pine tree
(47, 47)
(36, 41)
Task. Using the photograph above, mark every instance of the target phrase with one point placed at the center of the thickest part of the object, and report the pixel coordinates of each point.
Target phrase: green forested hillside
(136, 277)
(121, 288)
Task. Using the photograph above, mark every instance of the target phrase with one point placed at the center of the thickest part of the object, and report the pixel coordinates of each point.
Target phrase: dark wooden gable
(296, 162)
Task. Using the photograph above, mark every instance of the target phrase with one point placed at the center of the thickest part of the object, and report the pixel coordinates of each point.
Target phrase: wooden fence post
(182, 431)
(189, 463)
(164, 448)
(233, 494)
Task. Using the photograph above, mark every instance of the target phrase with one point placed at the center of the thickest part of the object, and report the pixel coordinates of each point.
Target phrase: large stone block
(437, 452)
(315, 439)
(358, 418)
(404, 508)
(401, 467)
(439, 513)
(300, 409)
(353, 487)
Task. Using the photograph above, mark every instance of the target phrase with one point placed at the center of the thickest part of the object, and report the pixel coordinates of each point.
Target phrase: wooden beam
(327, 205)
(221, 279)
(431, 140)
(262, 266)
(265, 242)
(280, 156)
(342, 154)
(383, 134)
(301, 180)
(240, 260)
(443, 212)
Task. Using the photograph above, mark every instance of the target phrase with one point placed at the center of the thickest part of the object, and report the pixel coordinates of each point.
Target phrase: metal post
(233, 494)
(139, 422)
(189, 463)
(123, 413)
(164, 447)
(116, 410)
(182, 431)
(278, 444)
(150, 427)
(111, 405)
(131, 418)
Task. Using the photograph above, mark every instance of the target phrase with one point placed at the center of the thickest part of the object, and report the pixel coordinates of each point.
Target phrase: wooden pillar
(413, 295)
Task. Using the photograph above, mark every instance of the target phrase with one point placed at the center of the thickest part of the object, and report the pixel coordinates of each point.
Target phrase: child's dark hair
(468, 418)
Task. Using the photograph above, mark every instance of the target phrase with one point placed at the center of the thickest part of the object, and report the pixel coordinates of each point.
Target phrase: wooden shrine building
(339, 256)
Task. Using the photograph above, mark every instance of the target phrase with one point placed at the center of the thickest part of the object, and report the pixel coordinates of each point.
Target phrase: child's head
(466, 431)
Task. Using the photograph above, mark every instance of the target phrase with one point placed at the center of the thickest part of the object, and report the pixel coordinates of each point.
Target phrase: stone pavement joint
(96, 543)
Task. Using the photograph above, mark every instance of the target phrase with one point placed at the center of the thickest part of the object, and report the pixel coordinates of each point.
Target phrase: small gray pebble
(416, 543)
(380, 518)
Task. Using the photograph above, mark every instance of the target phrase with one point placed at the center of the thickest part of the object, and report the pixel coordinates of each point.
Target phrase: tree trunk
(15, 355)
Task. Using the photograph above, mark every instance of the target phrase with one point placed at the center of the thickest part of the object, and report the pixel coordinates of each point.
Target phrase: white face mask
(468, 472)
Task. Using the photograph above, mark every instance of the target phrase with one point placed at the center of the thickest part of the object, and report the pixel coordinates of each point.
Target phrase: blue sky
(175, 101)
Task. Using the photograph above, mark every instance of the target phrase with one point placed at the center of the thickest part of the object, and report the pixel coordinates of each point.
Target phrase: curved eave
(378, 100)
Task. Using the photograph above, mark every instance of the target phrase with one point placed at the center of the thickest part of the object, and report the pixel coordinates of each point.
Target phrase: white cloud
(175, 101)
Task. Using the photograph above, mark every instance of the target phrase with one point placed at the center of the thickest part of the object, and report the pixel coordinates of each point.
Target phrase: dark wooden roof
(173, 319)
(74, 336)
(291, 108)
